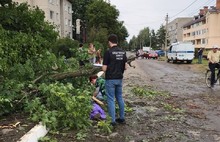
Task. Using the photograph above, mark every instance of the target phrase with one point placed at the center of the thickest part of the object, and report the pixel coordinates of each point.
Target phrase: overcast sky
(138, 14)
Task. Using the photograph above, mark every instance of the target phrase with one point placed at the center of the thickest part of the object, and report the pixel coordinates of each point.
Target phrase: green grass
(204, 61)
(202, 66)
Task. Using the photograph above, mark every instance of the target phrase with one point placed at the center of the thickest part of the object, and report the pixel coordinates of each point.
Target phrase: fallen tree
(78, 73)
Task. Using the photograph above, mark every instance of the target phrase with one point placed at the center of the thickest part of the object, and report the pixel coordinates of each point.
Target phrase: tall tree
(79, 8)
(23, 33)
(102, 15)
(122, 33)
(161, 33)
(147, 38)
(133, 43)
(144, 37)
(154, 44)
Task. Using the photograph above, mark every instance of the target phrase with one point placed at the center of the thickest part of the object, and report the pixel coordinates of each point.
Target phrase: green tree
(161, 33)
(144, 36)
(133, 43)
(153, 39)
(122, 33)
(20, 18)
(27, 64)
(65, 47)
(24, 33)
(79, 8)
(101, 17)
(147, 37)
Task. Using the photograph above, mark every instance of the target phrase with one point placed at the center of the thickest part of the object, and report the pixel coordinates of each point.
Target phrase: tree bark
(78, 73)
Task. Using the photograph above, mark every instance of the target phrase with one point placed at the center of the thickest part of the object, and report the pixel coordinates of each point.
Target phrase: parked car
(152, 54)
(143, 55)
(160, 52)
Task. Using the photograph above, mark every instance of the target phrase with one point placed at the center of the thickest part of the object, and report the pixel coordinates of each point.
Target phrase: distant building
(204, 29)
(57, 12)
(175, 32)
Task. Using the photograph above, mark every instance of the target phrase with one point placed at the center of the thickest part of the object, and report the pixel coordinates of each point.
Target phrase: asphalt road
(178, 78)
(187, 83)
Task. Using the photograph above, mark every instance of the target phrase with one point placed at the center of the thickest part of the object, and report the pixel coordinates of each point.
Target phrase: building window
(69, 23)
(203, 41)
(51, 14)
(50, 1)
(69, 34)
(57, 16)
(69, 9)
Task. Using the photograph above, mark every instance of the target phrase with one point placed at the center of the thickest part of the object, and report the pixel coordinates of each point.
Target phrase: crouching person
(99, 83)
(97, 112)
(98, 98)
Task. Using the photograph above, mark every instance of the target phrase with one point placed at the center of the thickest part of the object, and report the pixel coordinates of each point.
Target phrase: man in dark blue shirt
(114, 64)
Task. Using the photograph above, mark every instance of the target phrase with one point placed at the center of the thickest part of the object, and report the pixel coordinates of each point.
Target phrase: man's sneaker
(120, 121)
(212, 85)
(113, 124)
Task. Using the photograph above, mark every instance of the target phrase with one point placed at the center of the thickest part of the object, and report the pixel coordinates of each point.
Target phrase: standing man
(200, 53)
(213, 57)
(114, 64)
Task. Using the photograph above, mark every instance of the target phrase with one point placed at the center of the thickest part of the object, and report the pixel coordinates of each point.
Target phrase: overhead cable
(183, 10)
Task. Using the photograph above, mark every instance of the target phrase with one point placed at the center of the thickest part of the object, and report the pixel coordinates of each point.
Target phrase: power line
(183, 9)
(208, 2)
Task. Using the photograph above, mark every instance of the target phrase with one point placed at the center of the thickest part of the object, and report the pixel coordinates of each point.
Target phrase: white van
(181, 51)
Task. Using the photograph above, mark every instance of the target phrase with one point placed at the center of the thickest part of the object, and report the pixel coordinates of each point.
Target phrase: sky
(139, 14)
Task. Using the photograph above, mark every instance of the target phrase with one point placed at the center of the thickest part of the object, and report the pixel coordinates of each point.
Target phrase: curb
(34, 134)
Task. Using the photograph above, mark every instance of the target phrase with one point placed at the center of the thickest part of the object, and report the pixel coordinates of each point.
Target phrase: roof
(194, 21)
(211, 10)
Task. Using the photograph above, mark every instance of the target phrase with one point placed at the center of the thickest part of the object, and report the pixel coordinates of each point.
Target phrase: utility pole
(166, 32)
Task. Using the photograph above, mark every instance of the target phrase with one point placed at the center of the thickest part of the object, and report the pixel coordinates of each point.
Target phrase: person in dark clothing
(200, 54)
(81, 63)
(114, 64)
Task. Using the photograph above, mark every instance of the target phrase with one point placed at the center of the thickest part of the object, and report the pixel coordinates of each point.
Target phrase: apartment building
(204, 29)
(57, 12)
(175, 32)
